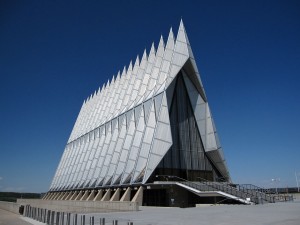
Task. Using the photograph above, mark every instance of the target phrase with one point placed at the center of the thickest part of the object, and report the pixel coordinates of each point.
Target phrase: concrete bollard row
(50, 217)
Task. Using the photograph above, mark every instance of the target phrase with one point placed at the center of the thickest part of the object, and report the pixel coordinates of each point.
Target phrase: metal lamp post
(296, 175)
(274, 180)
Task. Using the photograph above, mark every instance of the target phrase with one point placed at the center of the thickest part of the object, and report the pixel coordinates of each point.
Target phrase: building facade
(150, 122)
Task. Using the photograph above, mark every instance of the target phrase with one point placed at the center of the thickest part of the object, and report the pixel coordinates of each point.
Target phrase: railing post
(115, 222)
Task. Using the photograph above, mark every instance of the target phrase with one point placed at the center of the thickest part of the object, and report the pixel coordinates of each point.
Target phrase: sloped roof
(142, 80)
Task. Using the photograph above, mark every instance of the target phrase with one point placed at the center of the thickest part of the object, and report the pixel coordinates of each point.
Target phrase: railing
(253, 187)
(262, 193)
(266, 193)
(204, 185)
(254, 196)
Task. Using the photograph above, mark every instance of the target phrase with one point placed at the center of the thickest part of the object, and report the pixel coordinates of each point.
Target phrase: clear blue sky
(54, 54)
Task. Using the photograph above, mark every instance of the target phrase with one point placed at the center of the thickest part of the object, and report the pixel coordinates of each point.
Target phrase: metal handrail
(256, 193)
(208, 186)
(228, 188)
(255, 196)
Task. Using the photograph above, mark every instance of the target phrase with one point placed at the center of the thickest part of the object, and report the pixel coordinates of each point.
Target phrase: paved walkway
(287, 213)
(9, 218)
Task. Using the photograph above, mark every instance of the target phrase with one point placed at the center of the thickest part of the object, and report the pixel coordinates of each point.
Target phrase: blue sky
(54, 54)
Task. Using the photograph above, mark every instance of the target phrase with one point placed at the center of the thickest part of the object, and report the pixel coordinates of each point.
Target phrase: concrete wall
(81, 206)
(10, 206)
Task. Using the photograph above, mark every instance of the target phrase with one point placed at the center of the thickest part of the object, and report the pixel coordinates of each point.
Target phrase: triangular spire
(124, 71)
(112, 80)
(144, 59)
(137, 61)
(185, 49)
(161, 47)
(99, 91)
(182, 38)
(136, 66)
(130, 66)
(151, 56)
(129, 70)
(182, 47)
(118, 75)
(152, 49)
(170, 43)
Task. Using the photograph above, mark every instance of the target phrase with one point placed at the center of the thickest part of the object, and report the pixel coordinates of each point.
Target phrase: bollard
(42, 215)
(57, 218)
(48, 216)
(102, 221)
(115, 222)
(75, 219)
(45, 215)
(68, 219)
(82, 219)
(130, 223)
(92, 220)
(26, 210)
(52, 218)
(62, 218)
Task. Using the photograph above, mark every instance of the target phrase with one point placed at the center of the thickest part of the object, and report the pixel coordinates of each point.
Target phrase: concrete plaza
(285, 213)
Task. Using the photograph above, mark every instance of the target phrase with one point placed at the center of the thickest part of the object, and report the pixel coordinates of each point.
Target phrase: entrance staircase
(246, 194)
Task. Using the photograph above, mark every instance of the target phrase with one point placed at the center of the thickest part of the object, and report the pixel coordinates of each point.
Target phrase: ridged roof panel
(149, 76)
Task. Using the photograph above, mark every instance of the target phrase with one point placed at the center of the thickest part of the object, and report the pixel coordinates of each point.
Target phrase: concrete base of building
(102, 195)
(80, 206)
